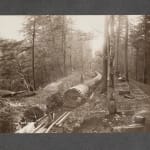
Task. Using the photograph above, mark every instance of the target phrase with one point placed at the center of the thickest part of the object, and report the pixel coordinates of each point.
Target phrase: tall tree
(33, 47)
(118, 43)
(111, 54)
(145, 49)
(126, 48)
(136, 64)
(105, 54)
(64, 43)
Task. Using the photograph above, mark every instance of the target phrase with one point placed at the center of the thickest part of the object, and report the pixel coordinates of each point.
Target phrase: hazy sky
(93, 24)
(10, 27)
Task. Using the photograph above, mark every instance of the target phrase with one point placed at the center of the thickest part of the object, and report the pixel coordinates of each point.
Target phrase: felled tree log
(75, 95)
(78, 94)
(28, 94)
(93, 82)
(7, 93)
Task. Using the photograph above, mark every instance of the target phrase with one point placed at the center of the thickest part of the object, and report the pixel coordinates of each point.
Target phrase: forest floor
(92, 116)
(15, 106)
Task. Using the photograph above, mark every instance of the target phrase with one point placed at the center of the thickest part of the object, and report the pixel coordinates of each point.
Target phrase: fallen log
(7, 93)
(78, 94)
(75, 96)
(93, 82)
(28, 94)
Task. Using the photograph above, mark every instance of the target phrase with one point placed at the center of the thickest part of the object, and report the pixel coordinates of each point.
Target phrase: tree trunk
(118, 43)
(126, 50)
(33, 47)
(64, 44)
(110, 92)
(82, 59)
(136, 64)
(145, 52)
(105, 56)
(70, 60)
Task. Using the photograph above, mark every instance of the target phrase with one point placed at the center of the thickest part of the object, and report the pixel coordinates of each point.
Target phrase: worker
(53, 104)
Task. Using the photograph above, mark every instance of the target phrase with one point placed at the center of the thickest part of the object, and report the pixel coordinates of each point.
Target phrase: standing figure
(53, 104)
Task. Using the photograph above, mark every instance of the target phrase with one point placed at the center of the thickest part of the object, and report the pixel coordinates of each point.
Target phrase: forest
(51, 50)
(54, 71)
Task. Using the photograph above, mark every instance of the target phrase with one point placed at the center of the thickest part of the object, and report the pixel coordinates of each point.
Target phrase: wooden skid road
(60, 120)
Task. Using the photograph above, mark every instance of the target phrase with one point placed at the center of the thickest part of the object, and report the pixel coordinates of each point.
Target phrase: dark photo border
(74, 7)
(74, 141)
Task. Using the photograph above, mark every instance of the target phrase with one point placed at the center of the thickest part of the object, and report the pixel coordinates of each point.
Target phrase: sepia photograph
(74, 73)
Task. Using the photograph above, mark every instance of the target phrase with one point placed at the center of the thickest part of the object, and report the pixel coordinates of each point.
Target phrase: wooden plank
(49, 128)
(61, 120)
